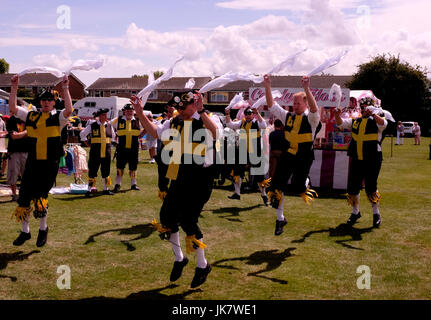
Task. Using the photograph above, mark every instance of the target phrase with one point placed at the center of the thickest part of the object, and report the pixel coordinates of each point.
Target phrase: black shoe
(200, 276)
(177, 270)
(376, 220)
(235, 196)
(279, 224)
(23, 237)
(108, 192)
(135, 187)
(353, 218)
(265, 200)
(42, 237)
(116, 188)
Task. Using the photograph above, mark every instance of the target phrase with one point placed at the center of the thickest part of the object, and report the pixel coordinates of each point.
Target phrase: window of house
(98, 93)
(219, 97)
(153, 95)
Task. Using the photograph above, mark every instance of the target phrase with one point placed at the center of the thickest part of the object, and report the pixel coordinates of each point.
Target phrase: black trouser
(291, 166)
(185, 199)
(38, 178)
(129, 156)
(162, 169)
(95, 161)
(361, 170)
(239, 169)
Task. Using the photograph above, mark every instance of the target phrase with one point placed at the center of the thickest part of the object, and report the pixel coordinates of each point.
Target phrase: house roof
(178, 83)
(34, 80)
(119, 84)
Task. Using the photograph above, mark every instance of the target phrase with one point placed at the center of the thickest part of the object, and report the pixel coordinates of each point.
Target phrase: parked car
(408, 125)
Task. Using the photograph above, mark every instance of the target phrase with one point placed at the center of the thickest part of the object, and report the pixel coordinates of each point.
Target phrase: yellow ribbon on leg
(191, 242)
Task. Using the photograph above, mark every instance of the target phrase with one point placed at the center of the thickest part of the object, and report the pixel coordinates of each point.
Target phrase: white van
(88, 105)
(408, 126)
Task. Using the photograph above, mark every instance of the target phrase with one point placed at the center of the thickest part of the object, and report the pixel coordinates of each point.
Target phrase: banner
(323, 99)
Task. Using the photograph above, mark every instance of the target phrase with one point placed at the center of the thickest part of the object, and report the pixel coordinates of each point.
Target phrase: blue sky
(215, 36)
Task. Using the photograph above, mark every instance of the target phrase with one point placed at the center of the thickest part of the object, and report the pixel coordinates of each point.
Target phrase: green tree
(403, 89)
(25, 93)
(157, 74)
(140, 76)
(4, 66)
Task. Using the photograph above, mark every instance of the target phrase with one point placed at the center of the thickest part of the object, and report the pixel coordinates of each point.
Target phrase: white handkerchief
(190, 84)
(286, 63)
(166, 76)
(262, 100)
(328, 63)
(228, 78)
(85, 65)
(53, 71)
(237, 99)
(336, 93)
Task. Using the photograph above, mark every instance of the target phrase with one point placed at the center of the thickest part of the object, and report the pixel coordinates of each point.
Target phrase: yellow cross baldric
(129, 133)
(42, 133)
(294, 137)
(193, 148)
(249, 136)
(103, 140)
(360, 137)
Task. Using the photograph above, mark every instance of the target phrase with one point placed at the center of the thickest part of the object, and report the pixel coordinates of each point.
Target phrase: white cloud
(153, 41)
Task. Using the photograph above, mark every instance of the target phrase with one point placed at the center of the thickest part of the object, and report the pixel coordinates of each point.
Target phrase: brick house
(121, 87)
(38, 81)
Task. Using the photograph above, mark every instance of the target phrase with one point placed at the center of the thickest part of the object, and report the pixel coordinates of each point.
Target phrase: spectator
(417, 132)
(18, 146)
(400, 133)
(3, 157)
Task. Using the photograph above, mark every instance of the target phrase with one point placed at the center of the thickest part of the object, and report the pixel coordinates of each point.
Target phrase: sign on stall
(320, 94)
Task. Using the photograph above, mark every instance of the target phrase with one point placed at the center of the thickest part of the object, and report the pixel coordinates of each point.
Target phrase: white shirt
(347, 124)
(281, 114)
(22, 114)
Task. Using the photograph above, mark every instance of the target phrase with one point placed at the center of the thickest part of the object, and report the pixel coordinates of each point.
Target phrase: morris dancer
(101, 134)
(300, 129)
(187, 189)
(128, 130)
(43, 131)
(366, 153)
(251, 126)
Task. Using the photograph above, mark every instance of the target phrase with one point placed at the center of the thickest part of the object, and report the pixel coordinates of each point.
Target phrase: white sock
(174, 239)
(26, 226)
(376, 208)
(355, 207)
(132, 181)
(262, 191)
(238, 187)
(42, 223)
(280, 216)
(200, 256)
(118, 180)
(104, 182)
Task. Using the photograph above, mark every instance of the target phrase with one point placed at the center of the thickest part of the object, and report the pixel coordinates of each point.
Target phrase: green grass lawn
(113, 251)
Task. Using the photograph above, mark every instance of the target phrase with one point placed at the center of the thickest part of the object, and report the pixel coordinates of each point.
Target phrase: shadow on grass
(5, 258)
(232, 212)
(142, 230)
(272, 258)
(341, 230)
(154, 294)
